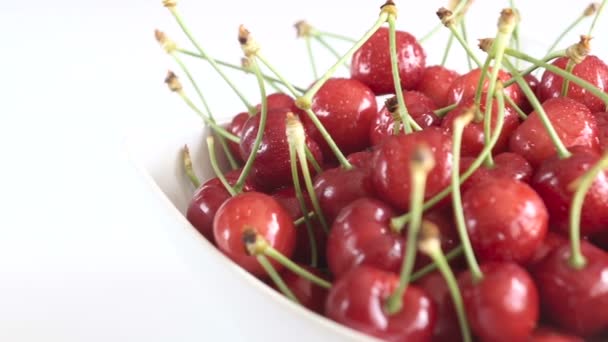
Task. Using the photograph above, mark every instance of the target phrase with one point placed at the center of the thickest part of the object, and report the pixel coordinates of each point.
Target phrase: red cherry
(358, 300)
(337, 188)
(552, 241)
(532, 82)
(447, 328)
(602, 127)
(572, 121)
(575, 299)
(391, 175)
(506, 165)
(361, 235)
(601, 240)
(435, 83)
(277, 101)
(271, 168)
(443, 219)
(553, 180)
(346, 108)
(236, 127)
(371, 64)
(419, 106)
(473, 134)
(362, 160)
(503, 306)
(545, 334)
(253, 210)
(465, 87)
(591, 69)
(208, 198)
(506, 220)
(310, 295)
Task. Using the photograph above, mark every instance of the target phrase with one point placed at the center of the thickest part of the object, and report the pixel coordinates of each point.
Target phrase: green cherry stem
(431, 246)
(298, 189)
(566, 83)
(582, 186)
(311, 57)
(330, 48)
(518, 110)
(446, 50)
(461, 5)
(268, 78)
(589, 11)
(447, 18)
(597, 15)
(392, 38)
(297, 137)
(441, 112)
(451, 255)
(261, 127)
(459, 125)
(336, 36)
(479, 90)
(562, 151)
(257, 245)
(216, 168)
(276, 278)
(465, 36)
(211, 61)
(553, 55)
(516, 43)
(302, 219)
(187, 162)
(311, 159)
(421, 163)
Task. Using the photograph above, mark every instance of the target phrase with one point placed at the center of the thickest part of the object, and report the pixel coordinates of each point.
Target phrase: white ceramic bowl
(240, 306)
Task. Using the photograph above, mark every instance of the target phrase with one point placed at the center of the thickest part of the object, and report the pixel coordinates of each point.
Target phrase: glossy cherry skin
(506, 220)
(271, 168)
(308, 294)
(572, 121)
(361, 235)
(532, 82)
(208, 198)
(506, 165)
(337, 188)
(346, 108)
(419, 106)
(357, 300)
(443, 219)
(575, 299)
(391, 175)
(236, 127)
(258, 211)
(447, 328)
(503, 306)
(591, 69)
(552, 182)
(602, 127)
(465, 86)
(277, 101)
(362, 160)
(473, 134)
(435, 83)
(371, 64)
(552, 241)
(545, 334)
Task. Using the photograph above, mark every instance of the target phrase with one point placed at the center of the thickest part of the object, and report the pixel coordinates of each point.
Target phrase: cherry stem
(441, 112)
(225, 148)
(431, 246)
(211, 61)
(335, 36)
(330, 48)
(397, 223)
(514, 105)
(479, 90)
(533, 67)
(216, 169)
(300, 196)
(464, 45)
(403, 112)
(421, 163)
(516, 43)
(566, 83)
(311, 57)
(465, 36)
(276, 278)
(560, 72)
(583, 184)
(451, 255)
(446, 51)
(302, 219)
(570, 27)
(597, 15)
(188, 167)
(329, 140)
(562, 151)
(311, 159)
(268, 78)
(261, 127)
(438, 27)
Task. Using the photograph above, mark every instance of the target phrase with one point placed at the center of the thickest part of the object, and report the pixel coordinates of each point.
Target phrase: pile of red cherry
(340, 251)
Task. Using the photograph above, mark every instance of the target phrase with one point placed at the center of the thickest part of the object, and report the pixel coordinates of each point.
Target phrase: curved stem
(216, 168)
(446, 51)
(270, 79)
(309, 185)
(187, 161)
(218, 129)
(336, 36)
(441, 112)
(215, 66)
(562, 151)
(431, 33)
(282, 79)
(330, 48)
(574, 24)
(276, 278)
(514, 105)
(311, 57)
(451, 255)
(533, 67)
(597, 15)
(329, 140)
(577, 259)
(566, 82)
(295, 268)
(464, 45)
(402, 108)
(261, 127)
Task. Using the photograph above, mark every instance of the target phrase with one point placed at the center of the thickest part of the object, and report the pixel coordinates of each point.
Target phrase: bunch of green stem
(454, 20)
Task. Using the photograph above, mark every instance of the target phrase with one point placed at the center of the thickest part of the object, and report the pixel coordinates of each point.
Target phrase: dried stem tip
(392, 104)
(169, 3)
(246, 63)
(591, 9)
(389, 8)
(446, 16)
(429, 242)
(173, 82)
(303, 29)
(254, 243)
(249, 46)
(485, 44)
(422, 158)
(165, 42)
(507, 21)
(580, 50)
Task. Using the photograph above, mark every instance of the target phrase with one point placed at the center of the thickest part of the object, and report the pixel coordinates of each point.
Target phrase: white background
(83, 255)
